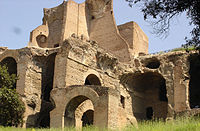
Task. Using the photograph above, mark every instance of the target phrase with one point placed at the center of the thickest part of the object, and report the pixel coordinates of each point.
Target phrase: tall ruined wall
(71, 72)
(150, 86)
(94, 20)
(54, 18)
(162, 85)
(136, 38)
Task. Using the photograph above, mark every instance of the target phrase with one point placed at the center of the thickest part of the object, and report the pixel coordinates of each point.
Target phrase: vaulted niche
(47, 86)
(70, 117)
(92, 80)
(194, 84)
(149, 96)
(11, 64)
(41, 41)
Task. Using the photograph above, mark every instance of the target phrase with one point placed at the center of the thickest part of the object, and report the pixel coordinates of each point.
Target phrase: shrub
(11, 107)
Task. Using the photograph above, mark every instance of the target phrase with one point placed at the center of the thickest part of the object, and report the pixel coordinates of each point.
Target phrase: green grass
(181, 124)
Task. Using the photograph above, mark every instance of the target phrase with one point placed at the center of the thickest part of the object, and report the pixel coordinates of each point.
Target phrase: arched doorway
(11, 64)
(70, 117)
(92, 80)
(68, 99)
(149, 96)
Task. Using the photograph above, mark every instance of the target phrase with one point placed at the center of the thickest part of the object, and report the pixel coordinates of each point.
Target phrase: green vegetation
(185, 49)
(11, 107)
(181, 124)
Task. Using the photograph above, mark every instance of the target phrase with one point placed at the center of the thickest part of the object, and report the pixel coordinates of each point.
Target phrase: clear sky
(19, 17)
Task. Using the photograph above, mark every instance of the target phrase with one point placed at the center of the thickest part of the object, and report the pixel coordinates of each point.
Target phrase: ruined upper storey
(91, 20)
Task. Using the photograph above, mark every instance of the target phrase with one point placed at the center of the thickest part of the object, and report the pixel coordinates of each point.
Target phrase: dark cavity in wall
(47, 86)
(153, 64)
(149, 113)
(87, 118)
(194, 84)
(149, 90)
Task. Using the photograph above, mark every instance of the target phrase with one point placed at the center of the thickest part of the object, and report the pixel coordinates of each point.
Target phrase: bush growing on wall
(11, 107)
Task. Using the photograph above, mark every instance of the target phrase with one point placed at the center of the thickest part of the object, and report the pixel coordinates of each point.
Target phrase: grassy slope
(188, 124)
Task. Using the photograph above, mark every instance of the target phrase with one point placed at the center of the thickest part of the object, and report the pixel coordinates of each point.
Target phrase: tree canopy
(11, 107)
(162, 12)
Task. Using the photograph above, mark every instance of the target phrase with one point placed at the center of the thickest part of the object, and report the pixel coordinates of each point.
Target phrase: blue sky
(19, 17)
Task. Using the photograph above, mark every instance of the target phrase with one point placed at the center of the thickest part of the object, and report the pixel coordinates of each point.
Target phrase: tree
(162, 12)
(11, 107)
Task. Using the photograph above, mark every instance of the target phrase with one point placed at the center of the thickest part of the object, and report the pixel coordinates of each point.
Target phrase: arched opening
(70, 117)
(194, 84)
(92, 80)
(153, 64)
(149, 96)
(88, 118)
(11, 64)
(41, 41)
(47, 86)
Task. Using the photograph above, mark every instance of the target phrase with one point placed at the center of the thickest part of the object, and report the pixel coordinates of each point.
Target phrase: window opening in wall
(41, 40)
(87, 118)
(122, 100)
(149, 113)
(92, 80)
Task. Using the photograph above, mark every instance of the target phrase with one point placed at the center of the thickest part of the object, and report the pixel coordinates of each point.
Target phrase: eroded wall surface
(80, 65)
(150, 86)
(91, 20)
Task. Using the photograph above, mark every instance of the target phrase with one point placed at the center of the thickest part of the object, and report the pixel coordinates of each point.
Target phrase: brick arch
(69, 94)
(13, 54)
(82, 91)
(69, 98)
(89, 72)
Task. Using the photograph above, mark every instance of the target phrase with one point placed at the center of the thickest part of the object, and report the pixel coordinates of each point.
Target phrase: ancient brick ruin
(80, 68)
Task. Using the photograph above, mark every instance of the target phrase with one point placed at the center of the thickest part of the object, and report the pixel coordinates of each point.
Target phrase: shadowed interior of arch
(88, 118)
(149, 96)
(69, 117)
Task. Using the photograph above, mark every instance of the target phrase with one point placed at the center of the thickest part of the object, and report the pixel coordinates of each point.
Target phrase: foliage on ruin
(11, 107)
(161, 12)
